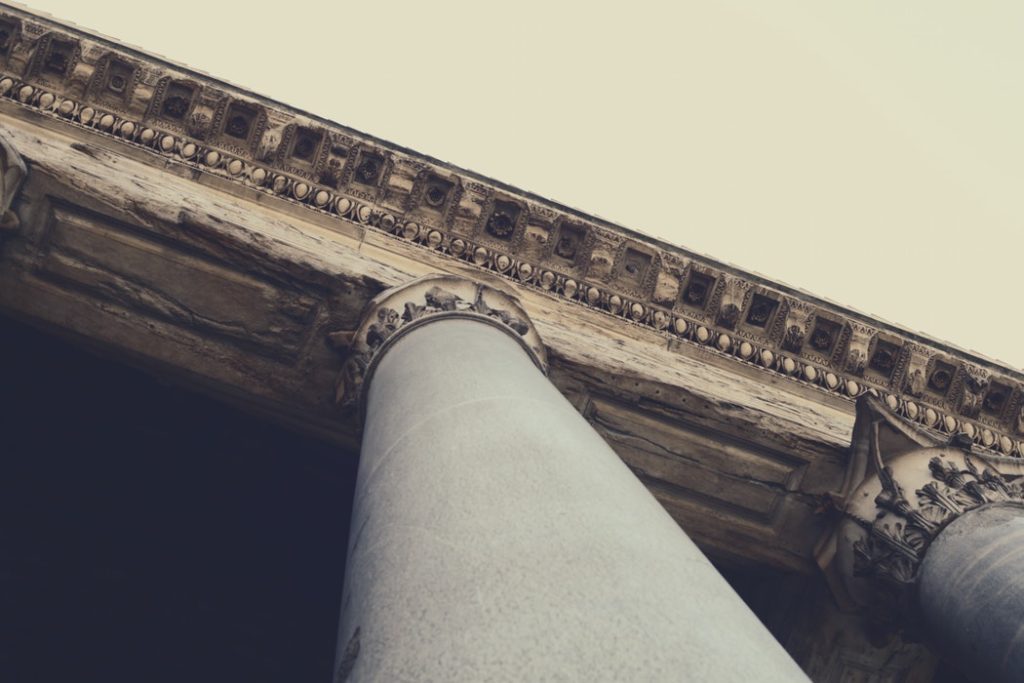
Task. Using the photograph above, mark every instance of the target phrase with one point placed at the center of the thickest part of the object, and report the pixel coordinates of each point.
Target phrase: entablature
(221, 237)
(186, 119)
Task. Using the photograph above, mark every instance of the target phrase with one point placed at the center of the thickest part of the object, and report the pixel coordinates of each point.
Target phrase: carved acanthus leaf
(12, 175)
(903, 487)
(433, 296)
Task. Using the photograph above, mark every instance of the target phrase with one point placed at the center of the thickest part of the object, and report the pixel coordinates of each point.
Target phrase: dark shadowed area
(148, 533)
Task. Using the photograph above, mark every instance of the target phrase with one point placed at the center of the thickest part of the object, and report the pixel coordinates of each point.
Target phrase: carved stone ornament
(903, 487)
(12, 175)
(396, 311)
(975, 383)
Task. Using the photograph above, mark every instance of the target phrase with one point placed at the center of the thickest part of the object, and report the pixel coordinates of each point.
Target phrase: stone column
(932, 541)
(496, 537)
(971, 591)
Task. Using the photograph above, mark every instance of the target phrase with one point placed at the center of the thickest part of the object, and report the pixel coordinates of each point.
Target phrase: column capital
(396, 311)
(903, 486)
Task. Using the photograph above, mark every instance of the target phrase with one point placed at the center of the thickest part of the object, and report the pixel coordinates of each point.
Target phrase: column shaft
(496, 536)
(971, 592)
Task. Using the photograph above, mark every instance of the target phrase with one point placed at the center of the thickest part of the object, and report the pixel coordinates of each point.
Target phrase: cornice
(176, 115)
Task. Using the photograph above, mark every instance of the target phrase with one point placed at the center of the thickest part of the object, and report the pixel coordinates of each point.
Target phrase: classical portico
(583, 453)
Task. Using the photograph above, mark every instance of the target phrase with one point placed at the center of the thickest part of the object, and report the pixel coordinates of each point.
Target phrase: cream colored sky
(869, 152)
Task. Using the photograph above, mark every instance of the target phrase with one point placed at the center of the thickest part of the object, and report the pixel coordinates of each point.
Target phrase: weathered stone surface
(12, 175)
(199, 127)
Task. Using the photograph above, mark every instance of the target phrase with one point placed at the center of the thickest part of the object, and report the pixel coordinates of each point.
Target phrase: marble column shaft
(497, 537)
(971, 592)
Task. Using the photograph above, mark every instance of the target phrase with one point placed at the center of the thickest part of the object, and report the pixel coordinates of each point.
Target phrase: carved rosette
(396, 311)
(903, 487)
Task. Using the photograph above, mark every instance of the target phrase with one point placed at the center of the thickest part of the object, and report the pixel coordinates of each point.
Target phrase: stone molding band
(91, 84)
(399, 310)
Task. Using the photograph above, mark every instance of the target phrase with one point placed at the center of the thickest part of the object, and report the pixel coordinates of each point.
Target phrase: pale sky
(869, 152)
